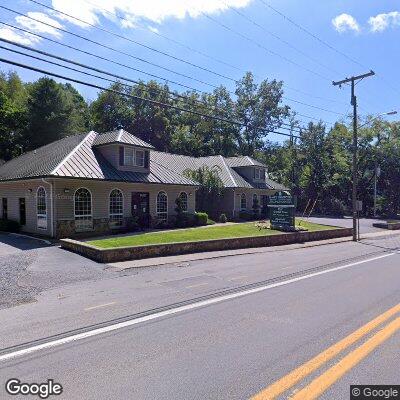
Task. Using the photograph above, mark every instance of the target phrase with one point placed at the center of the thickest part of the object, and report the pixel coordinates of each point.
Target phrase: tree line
(316, 167)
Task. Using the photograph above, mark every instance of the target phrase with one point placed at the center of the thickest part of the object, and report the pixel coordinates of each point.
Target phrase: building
(95, 183)
(243, 179)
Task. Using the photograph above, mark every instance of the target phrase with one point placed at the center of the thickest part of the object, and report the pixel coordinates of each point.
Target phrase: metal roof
(243, 161)
(120, 136)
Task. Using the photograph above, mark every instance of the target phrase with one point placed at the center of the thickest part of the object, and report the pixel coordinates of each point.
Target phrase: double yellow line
(320, 384)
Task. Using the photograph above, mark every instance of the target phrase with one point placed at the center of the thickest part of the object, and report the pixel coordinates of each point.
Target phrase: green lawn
(195, 234)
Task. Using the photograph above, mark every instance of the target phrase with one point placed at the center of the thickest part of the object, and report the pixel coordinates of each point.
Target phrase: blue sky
(366, 31)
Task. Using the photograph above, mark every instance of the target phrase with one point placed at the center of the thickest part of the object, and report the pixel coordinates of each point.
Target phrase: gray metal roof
(243, 161)
(120, 136)
(76, 157)
(229, 177)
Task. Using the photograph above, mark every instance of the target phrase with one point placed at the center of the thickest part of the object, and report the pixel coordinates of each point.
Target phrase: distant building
(99, 183)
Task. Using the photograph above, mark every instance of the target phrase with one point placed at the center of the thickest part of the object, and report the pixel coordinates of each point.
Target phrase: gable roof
(243, 161)
(76, 157)
(120, 136)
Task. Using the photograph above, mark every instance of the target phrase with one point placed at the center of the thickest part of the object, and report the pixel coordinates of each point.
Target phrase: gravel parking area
(28, 266)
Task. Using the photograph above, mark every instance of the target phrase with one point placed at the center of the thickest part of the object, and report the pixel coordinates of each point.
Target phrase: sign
(281, 199)
(359, 205)
(282, 209)
(282, 216)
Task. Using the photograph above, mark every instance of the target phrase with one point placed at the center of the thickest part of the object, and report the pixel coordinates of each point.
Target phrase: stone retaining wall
(158, 250)
(387, 225)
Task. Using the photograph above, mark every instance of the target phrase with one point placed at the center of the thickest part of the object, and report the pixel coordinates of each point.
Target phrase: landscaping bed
(194, 240)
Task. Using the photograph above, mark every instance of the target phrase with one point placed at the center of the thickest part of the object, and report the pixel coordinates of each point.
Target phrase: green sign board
(282, 216)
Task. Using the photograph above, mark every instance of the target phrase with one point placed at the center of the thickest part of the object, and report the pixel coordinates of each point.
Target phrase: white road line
(237, 277)
(99, 306)
(177, 310)
(197, 285)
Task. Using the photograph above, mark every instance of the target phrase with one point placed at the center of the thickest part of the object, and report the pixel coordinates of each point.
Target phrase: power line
(206, 106)
(242, 70)
(153, 102)
(109, 48)
(247, 38)
(277, 37)
(135, 42)
(152, 75)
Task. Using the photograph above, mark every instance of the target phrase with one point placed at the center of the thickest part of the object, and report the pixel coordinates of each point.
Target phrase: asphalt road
(229, 347)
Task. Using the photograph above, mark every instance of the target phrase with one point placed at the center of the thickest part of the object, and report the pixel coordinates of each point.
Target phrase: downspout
(51, 206)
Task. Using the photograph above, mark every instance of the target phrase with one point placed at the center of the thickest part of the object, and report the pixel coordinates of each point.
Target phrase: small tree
(211, 188)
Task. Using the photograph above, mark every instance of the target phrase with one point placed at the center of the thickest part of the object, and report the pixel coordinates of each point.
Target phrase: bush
(223, 219)
(185, 220)
(210, 222)
(245, 215)
(7, 225)
(201, 218)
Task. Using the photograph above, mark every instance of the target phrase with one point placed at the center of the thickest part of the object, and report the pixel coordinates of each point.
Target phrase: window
(133, 157)
(139, 158)
(243, 202)
(258, 173)
(162, 206)
(129, 156)
(5, 208)
(116, 208)
(83, 210)
(41, 209)
(184, 201)
(255, 198)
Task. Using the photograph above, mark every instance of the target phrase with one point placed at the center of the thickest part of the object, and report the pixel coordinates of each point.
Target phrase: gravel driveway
(28, 266)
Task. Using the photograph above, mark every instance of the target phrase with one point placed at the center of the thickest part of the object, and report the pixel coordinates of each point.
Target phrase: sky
(225, 38)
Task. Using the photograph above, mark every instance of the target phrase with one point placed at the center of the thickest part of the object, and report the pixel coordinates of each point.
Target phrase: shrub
(245, 215)
(223, 219)
(185, 220)
(201, 218)
(8, 225)
(210, 222)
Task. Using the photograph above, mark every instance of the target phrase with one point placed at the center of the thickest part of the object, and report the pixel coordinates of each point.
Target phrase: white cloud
(38, 27)
(15, 36)
(383, 21)
(345, 22)
(153, 10)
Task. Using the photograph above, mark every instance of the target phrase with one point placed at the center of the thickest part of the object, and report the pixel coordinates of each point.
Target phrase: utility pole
(353, 102)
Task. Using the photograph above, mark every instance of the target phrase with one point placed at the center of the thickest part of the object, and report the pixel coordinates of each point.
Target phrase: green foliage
(8, 225)
(223, 219)
(201, 218)
(256, 207)
(245, 215)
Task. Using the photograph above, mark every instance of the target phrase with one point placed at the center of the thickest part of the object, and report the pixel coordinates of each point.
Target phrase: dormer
(250, 169)
(124, 151)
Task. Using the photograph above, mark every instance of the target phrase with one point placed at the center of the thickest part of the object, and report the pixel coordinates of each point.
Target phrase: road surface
(259, 318)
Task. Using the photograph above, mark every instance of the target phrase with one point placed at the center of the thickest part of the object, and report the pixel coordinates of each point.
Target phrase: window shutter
(263, 175)
(121, 155)
(146, 159)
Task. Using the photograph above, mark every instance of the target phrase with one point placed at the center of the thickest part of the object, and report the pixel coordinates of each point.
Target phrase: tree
(54, 111)
(258, 108)
(210, 190)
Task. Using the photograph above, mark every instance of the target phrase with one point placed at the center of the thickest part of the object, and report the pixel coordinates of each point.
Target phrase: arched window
(243, 202)
(184, 201)
(83, 210)
(116, 208)
(162, 206)
(41, 209)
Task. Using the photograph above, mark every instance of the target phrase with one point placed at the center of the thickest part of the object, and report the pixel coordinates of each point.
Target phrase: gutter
(51, 206)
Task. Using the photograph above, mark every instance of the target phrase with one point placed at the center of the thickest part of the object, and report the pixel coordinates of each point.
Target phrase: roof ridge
(229, 170)
(71, 153)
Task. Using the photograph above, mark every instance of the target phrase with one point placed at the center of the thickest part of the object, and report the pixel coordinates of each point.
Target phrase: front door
(22, 211)
(140, 208)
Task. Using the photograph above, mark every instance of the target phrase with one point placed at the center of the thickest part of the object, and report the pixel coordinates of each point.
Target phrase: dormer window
(258, 173)
(133, 157)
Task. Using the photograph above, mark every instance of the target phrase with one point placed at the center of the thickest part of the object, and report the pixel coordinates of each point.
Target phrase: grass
(195, 234)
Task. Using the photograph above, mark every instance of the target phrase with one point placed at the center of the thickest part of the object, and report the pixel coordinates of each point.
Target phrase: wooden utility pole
(353, 102)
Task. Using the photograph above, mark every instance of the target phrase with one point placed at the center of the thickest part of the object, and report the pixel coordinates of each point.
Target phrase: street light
(377, 168)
